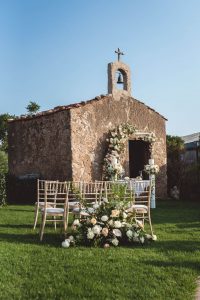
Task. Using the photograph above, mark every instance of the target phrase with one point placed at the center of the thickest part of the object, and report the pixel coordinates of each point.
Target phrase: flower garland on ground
(109, 224)
(112, 167)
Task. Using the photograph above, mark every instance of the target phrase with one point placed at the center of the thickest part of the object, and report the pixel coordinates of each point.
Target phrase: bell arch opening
(121, 79)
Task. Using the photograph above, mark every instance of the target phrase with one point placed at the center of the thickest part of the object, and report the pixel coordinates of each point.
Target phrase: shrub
(3, 172)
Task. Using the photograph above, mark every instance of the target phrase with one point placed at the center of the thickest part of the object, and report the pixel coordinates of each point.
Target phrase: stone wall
(90, 125)
(41, 145)
(70, 142)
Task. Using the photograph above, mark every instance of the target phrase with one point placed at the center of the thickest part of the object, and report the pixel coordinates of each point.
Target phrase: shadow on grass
(193, 226)
(178, 245)
(24, 226)
(177, 264)
(173, 216)
(49, 239)
(55, 239)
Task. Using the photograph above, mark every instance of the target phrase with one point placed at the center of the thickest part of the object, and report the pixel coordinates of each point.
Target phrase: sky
(55, 52)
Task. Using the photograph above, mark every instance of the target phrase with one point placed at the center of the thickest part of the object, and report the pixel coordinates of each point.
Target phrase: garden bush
(3, 172)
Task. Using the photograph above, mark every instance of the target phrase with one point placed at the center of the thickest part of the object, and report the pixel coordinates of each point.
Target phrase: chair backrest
(75, 190)
(142, 192)
(92, 192)
(62, 196)
(111, 189)
(139, 186)
(56, 193)
(51, 187)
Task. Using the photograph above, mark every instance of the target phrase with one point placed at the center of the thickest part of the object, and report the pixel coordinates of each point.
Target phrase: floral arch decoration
(117, 139)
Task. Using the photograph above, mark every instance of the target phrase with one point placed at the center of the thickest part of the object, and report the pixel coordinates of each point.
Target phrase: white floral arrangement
(109, 224)
(112, 167)
(151, 169)
(151, 137)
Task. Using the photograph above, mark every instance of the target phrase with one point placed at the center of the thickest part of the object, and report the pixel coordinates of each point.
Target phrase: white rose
(105, 200)
(90, 234)
(148, 236)
(124, 215)
(154, 237)
(128, 225)
(117, 224)
(142, 239)
(96, 229)
(90, 210)
(117, 232)
(115, 242)
(126, 178)
(71, 238)
(111, 223)
(129, 234)
(135, 234)
(66, 243)
(76, 222)
(96, 205)
(104, 218)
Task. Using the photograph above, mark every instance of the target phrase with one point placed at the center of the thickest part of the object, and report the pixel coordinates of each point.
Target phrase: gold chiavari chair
(60, 208)
(41, 197)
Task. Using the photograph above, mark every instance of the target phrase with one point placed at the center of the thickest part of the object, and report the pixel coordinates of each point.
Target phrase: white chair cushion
(140, 206)
(73, 203)
(80, 211)
(54, 210)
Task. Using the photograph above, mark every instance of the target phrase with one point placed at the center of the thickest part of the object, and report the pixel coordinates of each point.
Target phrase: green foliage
(2, 189)
(4, 130)
(175, 166)
(32, 108)
(3, 171)
(167, 269)
(3, 162)
(175, 147)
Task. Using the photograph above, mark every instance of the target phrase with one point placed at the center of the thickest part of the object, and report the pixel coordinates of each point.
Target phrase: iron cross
(118, 51)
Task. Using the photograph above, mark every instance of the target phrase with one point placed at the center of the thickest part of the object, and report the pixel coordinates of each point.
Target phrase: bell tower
(119, 77)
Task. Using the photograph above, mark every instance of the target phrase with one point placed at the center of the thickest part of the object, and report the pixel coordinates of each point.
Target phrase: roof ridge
(73, 105)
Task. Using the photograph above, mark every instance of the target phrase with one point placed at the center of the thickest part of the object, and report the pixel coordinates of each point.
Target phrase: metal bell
(120, 79)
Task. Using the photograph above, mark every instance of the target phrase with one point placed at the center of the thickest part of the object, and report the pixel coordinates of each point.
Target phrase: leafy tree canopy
(175, 146)
(4, 130)
(3, 162)
(32, 108)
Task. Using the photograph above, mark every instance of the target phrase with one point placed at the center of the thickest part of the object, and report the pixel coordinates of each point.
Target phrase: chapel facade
(70, 142)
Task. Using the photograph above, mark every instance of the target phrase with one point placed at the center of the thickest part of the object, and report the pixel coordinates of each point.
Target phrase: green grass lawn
(166, 269)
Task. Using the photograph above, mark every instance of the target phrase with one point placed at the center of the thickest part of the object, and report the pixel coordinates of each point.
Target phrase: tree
(175, 164)
(4, 130)
(3, 172)
(32, 108)
(3, 162)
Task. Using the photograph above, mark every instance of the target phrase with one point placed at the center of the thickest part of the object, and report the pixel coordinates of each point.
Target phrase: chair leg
(54, 222)
(36, 216)
(151, 228)
(65, 220)
(42, 226)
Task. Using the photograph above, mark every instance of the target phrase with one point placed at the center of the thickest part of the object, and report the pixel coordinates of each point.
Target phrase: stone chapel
(69, 142)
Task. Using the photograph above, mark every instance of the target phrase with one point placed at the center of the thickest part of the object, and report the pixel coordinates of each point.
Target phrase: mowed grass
(166, 269)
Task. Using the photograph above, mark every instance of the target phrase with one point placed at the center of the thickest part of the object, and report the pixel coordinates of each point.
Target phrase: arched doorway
(139, 155)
